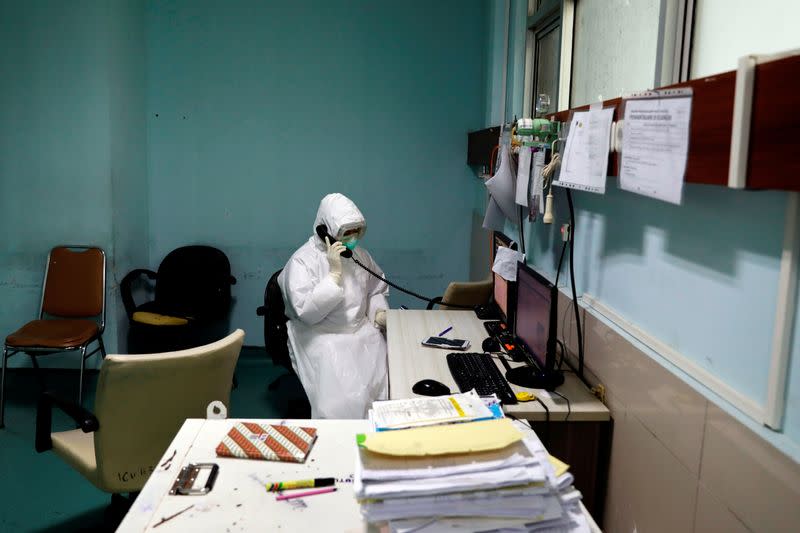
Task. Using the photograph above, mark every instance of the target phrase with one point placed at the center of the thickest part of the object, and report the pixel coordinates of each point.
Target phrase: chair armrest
(125, 288)
(433, 302)
(86, 421)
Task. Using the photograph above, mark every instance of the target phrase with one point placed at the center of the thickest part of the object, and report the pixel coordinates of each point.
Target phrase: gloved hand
(380, 318)
(335, 260)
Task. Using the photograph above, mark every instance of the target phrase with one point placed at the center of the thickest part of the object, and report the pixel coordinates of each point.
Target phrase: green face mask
(350, 244)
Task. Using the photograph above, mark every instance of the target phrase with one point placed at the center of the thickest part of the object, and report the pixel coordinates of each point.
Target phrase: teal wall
(128, 137)
(72, 150)
(792, 414)
(258, 109)
(514, 13)
(517, 31)
(143, 126)
(495, 28)
(702, 277)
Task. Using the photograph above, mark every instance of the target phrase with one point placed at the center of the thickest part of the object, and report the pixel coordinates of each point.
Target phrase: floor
(40, 493)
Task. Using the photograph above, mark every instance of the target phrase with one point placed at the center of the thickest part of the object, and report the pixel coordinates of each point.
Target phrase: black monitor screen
(501, 295)
(503, 292)
(535, 318)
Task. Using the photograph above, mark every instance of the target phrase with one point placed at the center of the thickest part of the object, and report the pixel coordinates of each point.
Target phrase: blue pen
(445, 331)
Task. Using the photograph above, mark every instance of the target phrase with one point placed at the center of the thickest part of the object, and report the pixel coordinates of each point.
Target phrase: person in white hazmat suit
(336, 312)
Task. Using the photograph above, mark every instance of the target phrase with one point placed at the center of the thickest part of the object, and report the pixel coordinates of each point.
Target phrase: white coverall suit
(337, 350)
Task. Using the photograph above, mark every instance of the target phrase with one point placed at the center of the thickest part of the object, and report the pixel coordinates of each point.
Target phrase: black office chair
(276, 341)
(191, 306)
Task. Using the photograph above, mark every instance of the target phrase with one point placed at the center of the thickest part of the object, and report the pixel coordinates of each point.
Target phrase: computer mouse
(430, 387)
(490, 344)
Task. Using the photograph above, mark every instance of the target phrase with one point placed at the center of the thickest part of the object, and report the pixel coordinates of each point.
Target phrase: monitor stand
(533, 378)
(488, 312)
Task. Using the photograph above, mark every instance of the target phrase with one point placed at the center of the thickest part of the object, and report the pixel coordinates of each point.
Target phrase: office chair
(72, 312)
(140, 404)
(276, 341)
(471, 293)
(191, 305)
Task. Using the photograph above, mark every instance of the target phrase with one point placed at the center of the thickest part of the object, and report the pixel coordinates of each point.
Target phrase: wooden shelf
(774, 161)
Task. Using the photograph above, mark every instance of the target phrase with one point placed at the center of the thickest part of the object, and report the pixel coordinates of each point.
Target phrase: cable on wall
(572, 279)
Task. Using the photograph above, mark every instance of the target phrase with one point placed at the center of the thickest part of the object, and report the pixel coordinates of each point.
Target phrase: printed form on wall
(584, 164)
(655, 142)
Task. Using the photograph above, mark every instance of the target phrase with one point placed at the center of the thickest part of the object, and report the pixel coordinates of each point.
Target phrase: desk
(239, 500)
(584, 441)
(410, 362)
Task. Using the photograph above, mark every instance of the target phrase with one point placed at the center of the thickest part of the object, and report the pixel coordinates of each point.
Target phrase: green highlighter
(301, 484)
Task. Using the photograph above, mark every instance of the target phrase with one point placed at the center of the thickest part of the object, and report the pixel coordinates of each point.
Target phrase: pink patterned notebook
(249, 440)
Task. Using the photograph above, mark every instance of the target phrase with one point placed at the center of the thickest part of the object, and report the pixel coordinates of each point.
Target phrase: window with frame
(579, 50)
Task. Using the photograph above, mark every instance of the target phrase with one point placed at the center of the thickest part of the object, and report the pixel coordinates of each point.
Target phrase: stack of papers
(432, 479)
(417, 412)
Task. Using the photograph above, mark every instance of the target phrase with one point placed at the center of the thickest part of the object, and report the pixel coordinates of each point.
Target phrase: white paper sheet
(537, 190)
(523, 176)
(584, 164)
(529, 504)
(502, 477)
(416, 412)
(505, 262)
(501, 186)
(494, 220)
(552, 515)
(655, 141)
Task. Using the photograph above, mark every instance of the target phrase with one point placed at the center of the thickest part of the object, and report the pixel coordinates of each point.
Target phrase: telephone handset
(322, 231)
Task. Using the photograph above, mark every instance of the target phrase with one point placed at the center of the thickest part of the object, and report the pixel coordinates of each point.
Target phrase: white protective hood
(338, 352)
(339, 214)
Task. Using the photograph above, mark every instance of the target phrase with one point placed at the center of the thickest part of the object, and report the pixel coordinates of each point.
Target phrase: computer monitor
(535, 328)
(500, 295)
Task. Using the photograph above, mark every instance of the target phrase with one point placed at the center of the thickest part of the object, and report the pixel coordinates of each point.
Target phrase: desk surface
(239, 500)
(410, 362)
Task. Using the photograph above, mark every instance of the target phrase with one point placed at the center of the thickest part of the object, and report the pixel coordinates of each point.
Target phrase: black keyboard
(478, 371)
(495, 328)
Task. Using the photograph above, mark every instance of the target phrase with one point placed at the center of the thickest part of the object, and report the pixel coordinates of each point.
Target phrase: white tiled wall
(679, 463)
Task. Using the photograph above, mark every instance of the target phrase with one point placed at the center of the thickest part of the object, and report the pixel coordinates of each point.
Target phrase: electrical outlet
(600, 392)
(566, 232)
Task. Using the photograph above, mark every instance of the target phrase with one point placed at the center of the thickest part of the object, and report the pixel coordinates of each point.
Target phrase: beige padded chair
(468, 293)
(141, 402)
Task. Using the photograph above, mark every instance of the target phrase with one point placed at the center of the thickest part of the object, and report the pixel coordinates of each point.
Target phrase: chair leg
(80, 380)
(3, 388)
(38, 371)
(116, 510)
(102, 347)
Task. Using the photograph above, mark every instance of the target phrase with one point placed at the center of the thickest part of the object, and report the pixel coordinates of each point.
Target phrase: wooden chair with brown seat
(72, 312)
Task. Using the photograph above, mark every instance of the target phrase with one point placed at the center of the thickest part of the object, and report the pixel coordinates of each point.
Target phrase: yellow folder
(440, 440)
